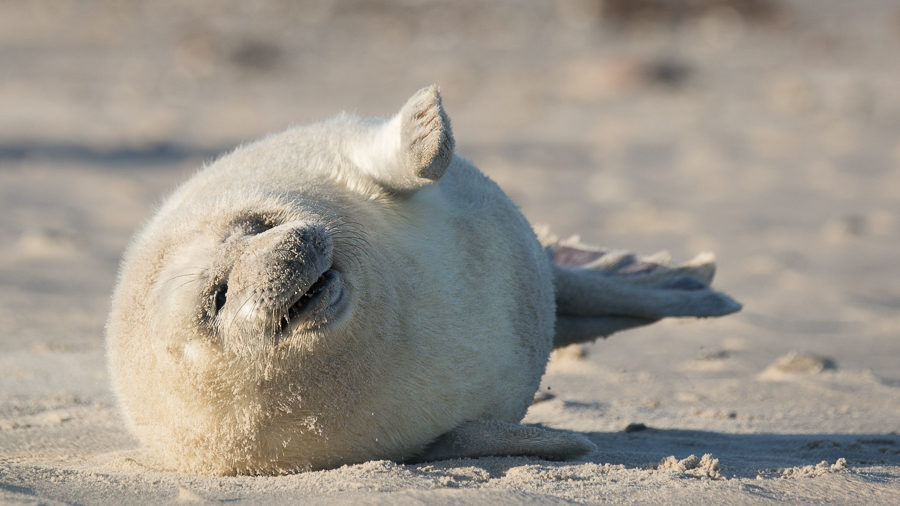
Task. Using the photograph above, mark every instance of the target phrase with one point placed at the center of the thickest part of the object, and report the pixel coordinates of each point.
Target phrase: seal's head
(339, 292)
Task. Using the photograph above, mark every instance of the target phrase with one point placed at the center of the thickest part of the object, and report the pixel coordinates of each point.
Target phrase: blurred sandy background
(767, 131)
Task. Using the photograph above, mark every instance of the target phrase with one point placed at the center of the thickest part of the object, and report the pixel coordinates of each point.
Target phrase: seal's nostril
(220, 297)
(254, 225)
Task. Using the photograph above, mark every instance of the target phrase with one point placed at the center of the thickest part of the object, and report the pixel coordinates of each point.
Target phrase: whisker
(239, 309)
(172, 289)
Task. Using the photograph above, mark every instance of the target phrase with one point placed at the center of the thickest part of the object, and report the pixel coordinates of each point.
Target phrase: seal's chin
(320, 304)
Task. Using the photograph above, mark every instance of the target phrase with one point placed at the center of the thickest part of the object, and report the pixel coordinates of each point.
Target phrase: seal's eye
(220, 297)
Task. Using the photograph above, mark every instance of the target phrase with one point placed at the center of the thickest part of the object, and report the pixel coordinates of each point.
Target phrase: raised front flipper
(599, 292)
(488, 438)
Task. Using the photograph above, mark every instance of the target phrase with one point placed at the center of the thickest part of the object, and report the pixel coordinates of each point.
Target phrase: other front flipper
(599, 291)
(489, 438)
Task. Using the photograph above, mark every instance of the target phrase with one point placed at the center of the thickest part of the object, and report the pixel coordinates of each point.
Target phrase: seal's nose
(297, 240)
(294, 254)
(278, 265)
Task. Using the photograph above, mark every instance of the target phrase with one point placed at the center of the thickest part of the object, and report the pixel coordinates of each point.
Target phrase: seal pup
(353, 290)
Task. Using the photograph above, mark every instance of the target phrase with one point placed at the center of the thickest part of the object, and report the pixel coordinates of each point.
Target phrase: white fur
(434, 335)
(433, 329)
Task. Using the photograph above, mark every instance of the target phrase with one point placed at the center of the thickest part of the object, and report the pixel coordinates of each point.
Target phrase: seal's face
(281, 279)
(259, 280)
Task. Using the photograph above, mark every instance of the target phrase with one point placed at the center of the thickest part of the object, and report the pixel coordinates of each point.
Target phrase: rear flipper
(581, 329)
(488, 438)
(599, 292)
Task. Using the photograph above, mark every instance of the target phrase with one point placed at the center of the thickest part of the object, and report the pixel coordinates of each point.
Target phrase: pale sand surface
(772, 140)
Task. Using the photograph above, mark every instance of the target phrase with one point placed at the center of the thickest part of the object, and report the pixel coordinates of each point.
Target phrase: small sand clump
(840, 466)
(706, 467)
(795, 363)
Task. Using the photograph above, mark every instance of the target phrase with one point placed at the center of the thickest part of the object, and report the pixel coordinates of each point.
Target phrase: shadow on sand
(160, 153)
(745, 455)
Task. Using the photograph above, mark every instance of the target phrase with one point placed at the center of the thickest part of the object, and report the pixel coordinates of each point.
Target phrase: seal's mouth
(317, 305)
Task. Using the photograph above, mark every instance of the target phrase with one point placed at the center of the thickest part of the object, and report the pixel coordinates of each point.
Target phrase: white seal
(353, 290)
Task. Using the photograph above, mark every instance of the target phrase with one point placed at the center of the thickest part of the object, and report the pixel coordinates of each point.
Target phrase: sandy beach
(767, 131)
